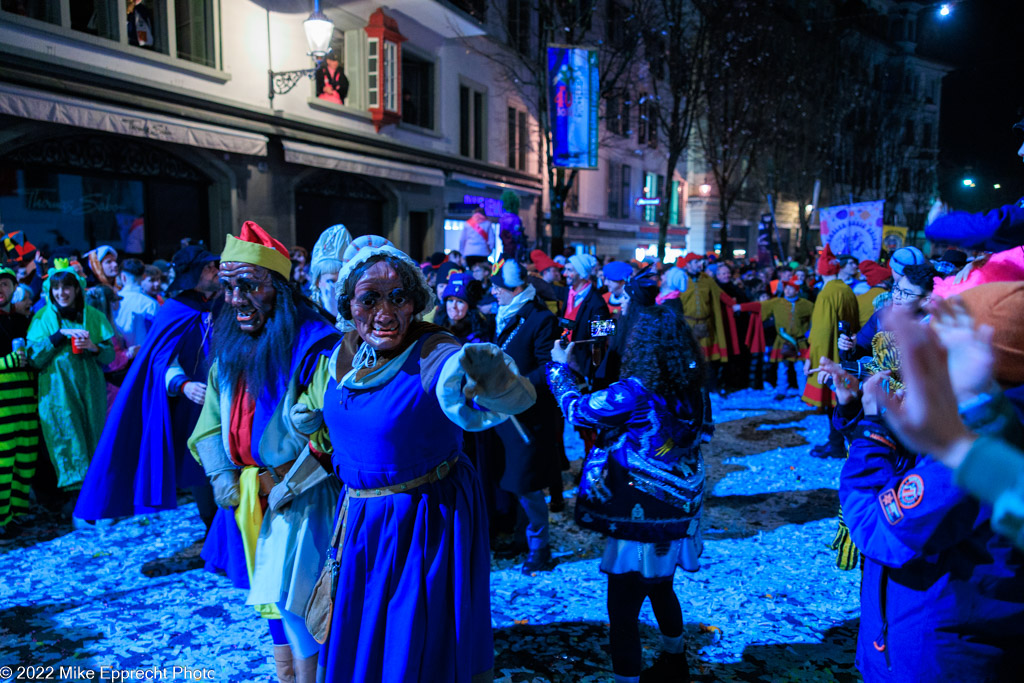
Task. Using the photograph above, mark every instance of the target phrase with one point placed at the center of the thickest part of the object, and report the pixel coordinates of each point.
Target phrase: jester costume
(19, 423)
(836, 302)
(72, 390)
(702, 307)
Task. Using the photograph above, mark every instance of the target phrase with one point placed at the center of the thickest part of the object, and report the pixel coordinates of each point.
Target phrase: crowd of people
(360, 432)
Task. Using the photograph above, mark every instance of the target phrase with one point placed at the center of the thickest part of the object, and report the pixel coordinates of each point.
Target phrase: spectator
(135, 313)
(615, 274)
(481, 271)
(69, 343)
(792, 317)
(643, 490)
(583, 306)
(477, 240)
(103, 267)
(526, 331)
(153, 283)
(937, 581)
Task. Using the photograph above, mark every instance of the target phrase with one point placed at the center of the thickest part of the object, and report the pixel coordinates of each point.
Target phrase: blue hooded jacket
(942, 596)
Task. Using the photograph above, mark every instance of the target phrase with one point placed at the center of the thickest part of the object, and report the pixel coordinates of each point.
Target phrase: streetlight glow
(945, 10)
(997, 186)
(968, 182)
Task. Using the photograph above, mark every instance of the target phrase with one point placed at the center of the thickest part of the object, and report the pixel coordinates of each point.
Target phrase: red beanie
(827, 262)
(874, 273)
(251, 232)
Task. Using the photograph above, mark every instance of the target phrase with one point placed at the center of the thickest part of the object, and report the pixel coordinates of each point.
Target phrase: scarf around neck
(509, 311)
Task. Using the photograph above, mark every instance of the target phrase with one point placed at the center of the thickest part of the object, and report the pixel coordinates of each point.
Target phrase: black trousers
(626, 595)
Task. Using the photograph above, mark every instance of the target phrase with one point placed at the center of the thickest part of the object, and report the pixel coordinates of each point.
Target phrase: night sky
(981, 99)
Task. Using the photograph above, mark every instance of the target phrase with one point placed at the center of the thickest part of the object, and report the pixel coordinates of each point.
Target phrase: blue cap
(617, 270)
(456, 287)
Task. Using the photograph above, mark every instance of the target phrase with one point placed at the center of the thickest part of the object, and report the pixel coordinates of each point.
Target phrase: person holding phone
(643, 485)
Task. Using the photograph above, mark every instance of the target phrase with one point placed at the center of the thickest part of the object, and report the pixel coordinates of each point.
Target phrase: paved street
(767, 604)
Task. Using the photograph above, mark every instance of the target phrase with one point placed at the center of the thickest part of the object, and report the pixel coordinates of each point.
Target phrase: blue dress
(413, 599)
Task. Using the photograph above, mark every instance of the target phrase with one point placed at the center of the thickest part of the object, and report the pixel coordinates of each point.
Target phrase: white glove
(305, 420)
(225, 488)
(492, 383)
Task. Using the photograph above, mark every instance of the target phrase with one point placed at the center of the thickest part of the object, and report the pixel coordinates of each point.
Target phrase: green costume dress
(72, 389)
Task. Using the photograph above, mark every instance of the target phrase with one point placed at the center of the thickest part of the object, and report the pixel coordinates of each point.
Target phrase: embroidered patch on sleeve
(890, 506)
(911, 491)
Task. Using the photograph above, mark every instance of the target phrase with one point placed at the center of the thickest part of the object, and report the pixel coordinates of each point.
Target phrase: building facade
(142, 132)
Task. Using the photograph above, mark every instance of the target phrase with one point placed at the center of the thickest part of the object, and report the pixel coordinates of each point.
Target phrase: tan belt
(271, 476)
(436, 474)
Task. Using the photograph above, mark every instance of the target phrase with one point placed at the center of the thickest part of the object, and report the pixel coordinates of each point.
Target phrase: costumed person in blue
(142, 458)
(643, 484)
(942, 594)
(267, 339)
(324, 265)
(390, 404)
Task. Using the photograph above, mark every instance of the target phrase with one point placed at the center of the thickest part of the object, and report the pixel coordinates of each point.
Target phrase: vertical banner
(854, 229)
(573, 91)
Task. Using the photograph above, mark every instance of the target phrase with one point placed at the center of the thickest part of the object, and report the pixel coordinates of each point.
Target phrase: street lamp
(319, 31)
(704, 189)
(968, 182)
(945, 10)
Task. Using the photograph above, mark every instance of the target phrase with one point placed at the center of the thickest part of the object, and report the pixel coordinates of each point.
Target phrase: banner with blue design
(573, 90)
(854, 229)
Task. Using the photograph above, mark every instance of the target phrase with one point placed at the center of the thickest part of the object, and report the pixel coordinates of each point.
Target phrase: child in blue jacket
(942, 596)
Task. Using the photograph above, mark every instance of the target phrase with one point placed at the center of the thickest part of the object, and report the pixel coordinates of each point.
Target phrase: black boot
(538, 560)
(668, 668)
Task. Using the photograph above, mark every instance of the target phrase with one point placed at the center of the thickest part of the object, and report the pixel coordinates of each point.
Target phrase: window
(647, 126)
(43, 10)
(149, 25)
(417, 91)
(652, 189)
(389, 84)
(673, 204)
(616, 19)
(518, 138)
(518, 18)
(572, 196)
(613, 190)
(927, 136)
(611, 114)
(625, 200)
(193, 20)
(373, 72)
(471, 123)
(908, 133)
(332, 84)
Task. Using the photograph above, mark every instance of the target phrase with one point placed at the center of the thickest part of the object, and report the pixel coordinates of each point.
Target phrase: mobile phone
(602, 328)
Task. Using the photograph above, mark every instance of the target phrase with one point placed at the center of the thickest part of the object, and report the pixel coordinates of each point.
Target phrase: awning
(70, 111)
(338, 160)
(473, 181)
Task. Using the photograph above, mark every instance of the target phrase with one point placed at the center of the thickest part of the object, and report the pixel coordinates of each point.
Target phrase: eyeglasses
(900, 293)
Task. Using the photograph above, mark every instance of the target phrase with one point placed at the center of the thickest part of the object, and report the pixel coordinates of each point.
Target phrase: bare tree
(524, 29)
(676, 40)
(735, 82)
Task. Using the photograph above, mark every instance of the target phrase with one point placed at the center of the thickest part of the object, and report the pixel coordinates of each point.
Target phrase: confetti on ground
(766, 605)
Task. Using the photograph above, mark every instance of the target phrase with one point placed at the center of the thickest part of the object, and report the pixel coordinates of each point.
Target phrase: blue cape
(142, 458)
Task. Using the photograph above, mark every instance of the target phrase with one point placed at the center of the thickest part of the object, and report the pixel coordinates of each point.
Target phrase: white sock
(674, 646)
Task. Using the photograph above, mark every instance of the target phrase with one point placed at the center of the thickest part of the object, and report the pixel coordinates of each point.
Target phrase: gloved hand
(225, 488)
(305, 420)
(492, 383)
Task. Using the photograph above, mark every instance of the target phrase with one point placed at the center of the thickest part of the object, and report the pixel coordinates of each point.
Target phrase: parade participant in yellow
(792, 316)
(835, 303)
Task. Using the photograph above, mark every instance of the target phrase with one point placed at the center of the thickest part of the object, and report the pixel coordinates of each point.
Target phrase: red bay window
(384, 69)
